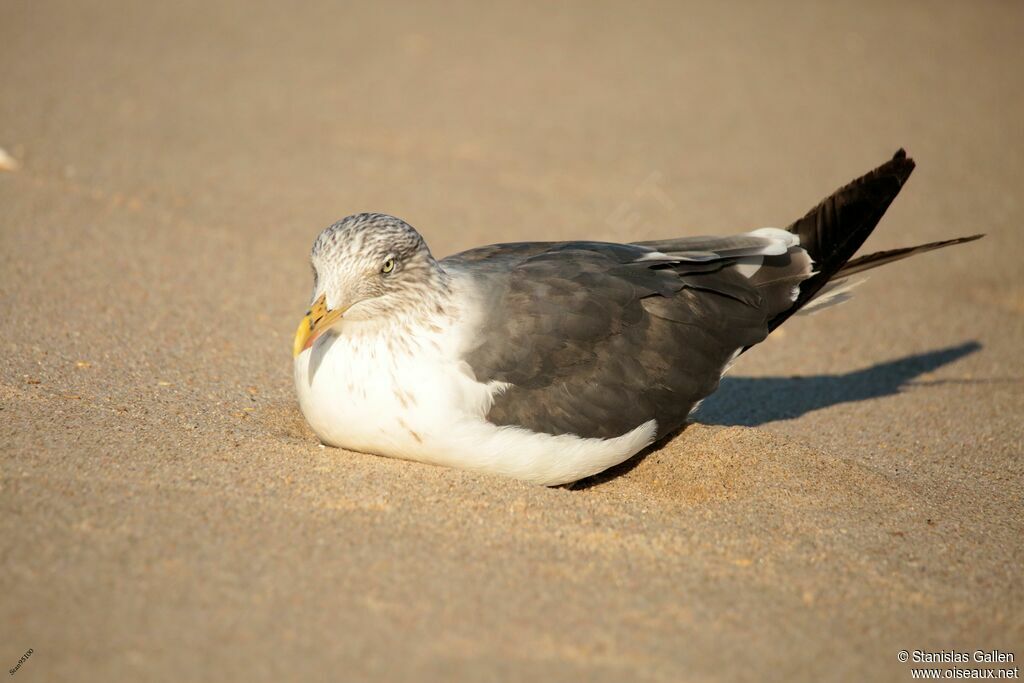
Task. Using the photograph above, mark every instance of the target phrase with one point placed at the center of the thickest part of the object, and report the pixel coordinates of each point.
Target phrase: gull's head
(367, 267)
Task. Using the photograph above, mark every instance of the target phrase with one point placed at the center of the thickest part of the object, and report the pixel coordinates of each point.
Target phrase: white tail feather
(832, 294)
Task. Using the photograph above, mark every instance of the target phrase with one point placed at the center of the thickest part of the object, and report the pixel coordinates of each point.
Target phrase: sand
(854, 489)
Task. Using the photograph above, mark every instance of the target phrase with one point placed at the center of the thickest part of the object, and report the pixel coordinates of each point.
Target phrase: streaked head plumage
(371, 264)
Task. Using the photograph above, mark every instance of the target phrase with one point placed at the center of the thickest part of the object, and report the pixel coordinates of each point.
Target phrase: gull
(550, 362)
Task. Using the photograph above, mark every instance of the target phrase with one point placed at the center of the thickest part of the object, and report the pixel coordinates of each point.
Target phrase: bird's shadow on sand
(754, 401)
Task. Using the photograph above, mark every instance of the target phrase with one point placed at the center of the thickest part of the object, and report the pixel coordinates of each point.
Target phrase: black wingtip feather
(880, 258)
(836, 228)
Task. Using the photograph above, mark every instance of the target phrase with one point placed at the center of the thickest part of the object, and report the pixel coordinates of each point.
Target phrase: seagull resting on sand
(553, 361)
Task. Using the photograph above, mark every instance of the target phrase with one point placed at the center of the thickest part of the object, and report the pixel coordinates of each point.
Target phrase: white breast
(408, 395)
(369, 392)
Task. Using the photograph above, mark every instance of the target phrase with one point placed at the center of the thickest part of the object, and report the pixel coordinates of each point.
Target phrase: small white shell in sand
(7, 162)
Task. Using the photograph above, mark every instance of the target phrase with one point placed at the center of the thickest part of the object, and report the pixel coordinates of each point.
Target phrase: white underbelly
(429, 408)
(355, 397)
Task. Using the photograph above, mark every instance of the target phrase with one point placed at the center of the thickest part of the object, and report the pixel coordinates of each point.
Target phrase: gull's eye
(389, 265)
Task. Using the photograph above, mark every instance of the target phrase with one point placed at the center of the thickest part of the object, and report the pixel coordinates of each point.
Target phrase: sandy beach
(855, 488)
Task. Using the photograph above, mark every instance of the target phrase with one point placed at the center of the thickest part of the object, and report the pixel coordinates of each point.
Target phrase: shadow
(616, 471)
(320, 348)
(753, 401)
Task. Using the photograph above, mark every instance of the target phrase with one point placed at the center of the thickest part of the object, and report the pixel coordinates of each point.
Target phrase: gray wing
(597, 338)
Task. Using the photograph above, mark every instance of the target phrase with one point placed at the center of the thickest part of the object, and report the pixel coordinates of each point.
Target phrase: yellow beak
(318, 319)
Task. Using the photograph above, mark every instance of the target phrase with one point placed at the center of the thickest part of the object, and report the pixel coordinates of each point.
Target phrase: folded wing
(595, 338)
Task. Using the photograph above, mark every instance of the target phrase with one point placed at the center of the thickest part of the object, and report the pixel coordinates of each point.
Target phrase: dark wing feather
(880, 258)
(836, 228)
(595, 342)
(596, 339)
